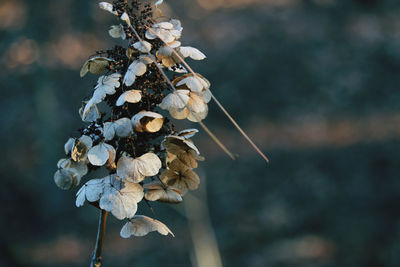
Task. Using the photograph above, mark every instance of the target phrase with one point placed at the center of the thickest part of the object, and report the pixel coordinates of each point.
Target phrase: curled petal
(147, 121)
(131, 96)
(141, 225)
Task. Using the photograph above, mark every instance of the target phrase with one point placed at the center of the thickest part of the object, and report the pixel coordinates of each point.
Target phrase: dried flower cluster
(146, 158)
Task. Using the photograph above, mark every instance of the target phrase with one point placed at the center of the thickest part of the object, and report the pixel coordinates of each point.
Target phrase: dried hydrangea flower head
(147, 159)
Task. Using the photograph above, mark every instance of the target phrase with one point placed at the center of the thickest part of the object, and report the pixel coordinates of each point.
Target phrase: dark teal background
(314, 82)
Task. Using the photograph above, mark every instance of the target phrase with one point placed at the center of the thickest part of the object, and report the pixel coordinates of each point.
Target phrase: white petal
(127, 170)
(141, 225)
(86, 140)
(108, 83)
(136, 170)
(174, 44)
(121, 198)
(69, 145)
(117, 31)
(177, 24)
(176, 99)
(206, 95)
(164, 25)
(79, 168)
(108, 131)
(98, 155)
(66, 179)
(150, 35)
(197, 117)
(143, 46)
(93, 114)
(152, 164)
(131, 96)
(196, 104)
(146, 59)
(123, 127)
(107, 7)
(137, 68)
(188, 133)
(159, 2)
(125, 18)
(192, 52)
(193, 83)
(91, 191)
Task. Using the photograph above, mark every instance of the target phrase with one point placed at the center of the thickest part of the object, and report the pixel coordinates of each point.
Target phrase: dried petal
(125, 17)
(108, 7)
(147, 121)
(137, 68)
(100, 154)
(131, 96)
(176, 99)
(121, 198)
(123, 127)
(95, 65)
(141, 225)
(143, 46)
(69, 145)
(157, 192)
(81, 147)
(136, 170)
(191, 52)
(108, 131)
(117, 31)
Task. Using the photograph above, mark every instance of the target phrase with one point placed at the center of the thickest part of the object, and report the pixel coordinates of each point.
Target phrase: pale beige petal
(131, 96)
(141, 225)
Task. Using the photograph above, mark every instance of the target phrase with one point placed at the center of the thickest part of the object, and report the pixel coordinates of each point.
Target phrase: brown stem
(96, 260)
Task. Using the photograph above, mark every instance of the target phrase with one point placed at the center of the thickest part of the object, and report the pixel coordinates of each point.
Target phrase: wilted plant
(146, 157)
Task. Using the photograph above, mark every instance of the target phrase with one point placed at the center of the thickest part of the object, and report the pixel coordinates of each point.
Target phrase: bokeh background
(314, 82)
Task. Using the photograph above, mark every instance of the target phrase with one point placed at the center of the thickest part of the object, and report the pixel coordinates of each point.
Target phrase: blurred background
(314, 82)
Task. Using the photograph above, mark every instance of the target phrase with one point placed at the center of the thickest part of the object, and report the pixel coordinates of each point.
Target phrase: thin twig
(208, 131)
(96, 260)
(214, 98)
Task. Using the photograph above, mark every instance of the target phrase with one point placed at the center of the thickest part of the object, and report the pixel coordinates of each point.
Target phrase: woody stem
(96, 260)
